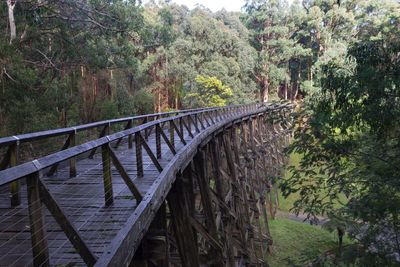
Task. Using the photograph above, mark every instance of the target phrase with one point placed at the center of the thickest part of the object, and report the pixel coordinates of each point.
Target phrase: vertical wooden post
(108, 189)
(130, 125)
(172, 133)
(40, 249)
(139, 155)
(181, 125)
(72, 161)
(15, 186)
(189, 123)
(200, 163)
(158, 141)
(196, 123)
(186, 239)
(146, 134)
(216, 163)
(104, 132)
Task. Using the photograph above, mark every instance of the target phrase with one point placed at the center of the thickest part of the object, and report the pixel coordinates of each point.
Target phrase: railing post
(181, 124)
(146, 135)
(158, 141)
(171, 133)
(130, 125)
(196, 123)
(107, 178)
(15, 186)
(72, 161)
(40, 248)
(139, 156)
(189, 122)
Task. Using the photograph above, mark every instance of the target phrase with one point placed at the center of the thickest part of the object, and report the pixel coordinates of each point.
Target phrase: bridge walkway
(82, 199)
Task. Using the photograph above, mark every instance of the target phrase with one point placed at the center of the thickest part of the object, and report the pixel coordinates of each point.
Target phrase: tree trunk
(11, 19)
(264, 94)
(295, 87)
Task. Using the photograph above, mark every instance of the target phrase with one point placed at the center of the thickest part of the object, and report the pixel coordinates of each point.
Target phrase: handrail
(20, 171)
(4, 141)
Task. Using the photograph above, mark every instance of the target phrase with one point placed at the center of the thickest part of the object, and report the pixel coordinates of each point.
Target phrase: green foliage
(209, 92)
(348, 134)
(143, 102)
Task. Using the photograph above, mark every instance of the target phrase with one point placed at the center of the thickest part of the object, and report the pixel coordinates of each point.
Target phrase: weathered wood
(180, 134)
(107, 177)
(187, 128)
(172, 133)
(169, 144)
(15, 186)
(158, 141)
(67, 143)
(180, 215)
(72, 161)
(130, 138)
(128, 126)
(200, 164)
(40, 248)
(224, 230)
(195, 122)
(69, 229)
(125, 176)
(203, 231)
(104, 132)
(139, 155)
(150, 153)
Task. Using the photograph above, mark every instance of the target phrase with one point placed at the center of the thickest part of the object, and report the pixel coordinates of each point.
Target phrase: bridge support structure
(219, 205)
(188, 188)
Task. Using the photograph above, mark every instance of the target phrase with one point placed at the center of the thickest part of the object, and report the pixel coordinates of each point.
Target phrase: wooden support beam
(72, 161)
(130, 138)
(53, 169)
(172, 133)
(125, 176)
(146, 135)
(66, 225)
(153, 250)
(187, 128)
(104, 132)
(185, 236)
(15, 186)
(203, 231)
(169, 144)
(195, 122)
(200, 163)
(199, 118)
(107, 177)
(180, 134)
(139, 155)
(158, 141)
(128, 126)
(40, 250)
(150, 153)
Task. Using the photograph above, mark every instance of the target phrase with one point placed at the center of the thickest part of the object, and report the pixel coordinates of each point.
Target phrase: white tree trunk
(11, 19)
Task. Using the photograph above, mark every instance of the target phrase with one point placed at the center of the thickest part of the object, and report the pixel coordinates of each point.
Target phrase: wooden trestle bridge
(184, 188)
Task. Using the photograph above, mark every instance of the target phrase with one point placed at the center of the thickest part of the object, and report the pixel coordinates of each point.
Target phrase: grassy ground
(285, 204)
(297, 242)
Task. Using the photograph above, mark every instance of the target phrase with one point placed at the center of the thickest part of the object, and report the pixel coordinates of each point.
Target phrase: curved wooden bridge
(183, 188)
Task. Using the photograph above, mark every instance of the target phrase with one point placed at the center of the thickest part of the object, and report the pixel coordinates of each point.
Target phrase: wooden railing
(165, 127)
(12, 144)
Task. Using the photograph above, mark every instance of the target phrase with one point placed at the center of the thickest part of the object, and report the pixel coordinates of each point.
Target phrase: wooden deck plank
(82, 199)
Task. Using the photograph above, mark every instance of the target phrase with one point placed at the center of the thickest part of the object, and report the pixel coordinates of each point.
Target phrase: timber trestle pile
(186, 188)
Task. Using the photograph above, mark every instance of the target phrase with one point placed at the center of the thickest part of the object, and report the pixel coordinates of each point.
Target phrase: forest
(64, 63)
